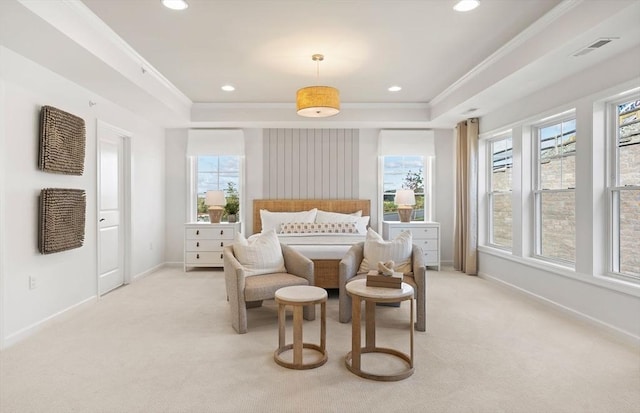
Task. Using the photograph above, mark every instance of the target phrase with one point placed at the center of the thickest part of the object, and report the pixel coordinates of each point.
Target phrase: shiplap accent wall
(311, 163)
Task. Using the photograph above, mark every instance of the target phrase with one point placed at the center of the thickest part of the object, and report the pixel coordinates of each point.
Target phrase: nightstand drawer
(416, 232)
(427, 244)
(431, 257)
(210, 233)
(204, 258)
(207, 244)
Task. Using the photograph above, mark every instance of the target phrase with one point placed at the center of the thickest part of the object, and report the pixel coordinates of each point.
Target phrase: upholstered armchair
(349, 266)
(249, 291)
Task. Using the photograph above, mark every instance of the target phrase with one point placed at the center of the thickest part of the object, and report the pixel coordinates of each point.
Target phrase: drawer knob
(197, 256)
(222, 243)
(220, 256)
(198, 244)
(221, 232)
(197, 232)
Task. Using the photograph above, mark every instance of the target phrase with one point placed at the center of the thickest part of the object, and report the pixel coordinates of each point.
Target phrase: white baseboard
(63, 314)
(35, 327)
(621, 334)
(174, 264)
(148, 272)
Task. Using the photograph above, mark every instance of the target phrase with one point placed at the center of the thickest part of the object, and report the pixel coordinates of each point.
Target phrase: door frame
(102, 128)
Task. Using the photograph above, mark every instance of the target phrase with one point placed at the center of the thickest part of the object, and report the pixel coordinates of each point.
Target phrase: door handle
(102, 219)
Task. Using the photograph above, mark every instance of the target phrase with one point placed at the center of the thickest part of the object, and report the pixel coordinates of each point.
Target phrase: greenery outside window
(499, 196)
(404, 172)
(624, 188)
(554, 190)
(216, 173)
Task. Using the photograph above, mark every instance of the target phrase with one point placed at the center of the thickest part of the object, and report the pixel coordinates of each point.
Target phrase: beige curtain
(465, 256)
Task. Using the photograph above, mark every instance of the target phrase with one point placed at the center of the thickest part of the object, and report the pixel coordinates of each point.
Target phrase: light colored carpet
(165, 344)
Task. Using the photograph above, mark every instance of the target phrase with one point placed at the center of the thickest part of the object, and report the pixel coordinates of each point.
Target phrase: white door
(111, 272)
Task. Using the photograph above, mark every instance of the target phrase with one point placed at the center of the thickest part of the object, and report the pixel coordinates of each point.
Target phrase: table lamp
(405, 199)
(215, 200)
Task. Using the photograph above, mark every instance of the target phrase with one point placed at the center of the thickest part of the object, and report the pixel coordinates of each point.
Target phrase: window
(499, 196)
(404, 172)
(624, 187)
(554, 190)
(214, 173)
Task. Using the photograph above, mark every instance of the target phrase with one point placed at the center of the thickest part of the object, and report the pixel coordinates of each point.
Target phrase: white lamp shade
(405, 197)
(215, 198)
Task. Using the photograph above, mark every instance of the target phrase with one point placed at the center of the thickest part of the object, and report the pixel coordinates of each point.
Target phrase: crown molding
(530, 32)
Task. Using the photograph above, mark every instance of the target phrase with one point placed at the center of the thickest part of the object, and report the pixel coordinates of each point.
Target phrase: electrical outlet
(32, 282)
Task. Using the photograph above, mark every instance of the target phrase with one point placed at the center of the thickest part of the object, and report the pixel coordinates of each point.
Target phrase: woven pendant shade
(318, 101)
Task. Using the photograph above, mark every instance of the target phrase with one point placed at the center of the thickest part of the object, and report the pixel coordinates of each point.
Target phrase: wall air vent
(594, 45)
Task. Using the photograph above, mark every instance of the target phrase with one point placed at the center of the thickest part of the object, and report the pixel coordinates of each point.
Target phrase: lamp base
(215, 215)
(405, 214)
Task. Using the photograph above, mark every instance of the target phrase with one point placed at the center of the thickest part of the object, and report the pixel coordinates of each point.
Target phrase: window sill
(598, 280)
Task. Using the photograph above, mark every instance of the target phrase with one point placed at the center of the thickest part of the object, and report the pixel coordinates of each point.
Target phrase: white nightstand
(203, 243)
(424, 234)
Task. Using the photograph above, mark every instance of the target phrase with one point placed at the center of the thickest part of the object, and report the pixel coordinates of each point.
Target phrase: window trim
(427, 168)
(490, 192)
(192, 176)
(537, 190)
(614, 189)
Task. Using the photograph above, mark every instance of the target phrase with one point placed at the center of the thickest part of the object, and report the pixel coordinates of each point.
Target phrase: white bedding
(321, 246)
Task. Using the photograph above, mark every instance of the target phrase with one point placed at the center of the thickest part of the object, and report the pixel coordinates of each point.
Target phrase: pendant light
(318, 101)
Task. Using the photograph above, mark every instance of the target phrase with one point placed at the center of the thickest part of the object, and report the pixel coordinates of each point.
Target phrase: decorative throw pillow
(260, 255)
(319, 228)
(325, 216)
(273, 220)
(376, 249)
(362, 224)
(361, 221)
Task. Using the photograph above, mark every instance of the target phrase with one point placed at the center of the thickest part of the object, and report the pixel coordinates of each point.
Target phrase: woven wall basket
(62, 142)
(62, 218)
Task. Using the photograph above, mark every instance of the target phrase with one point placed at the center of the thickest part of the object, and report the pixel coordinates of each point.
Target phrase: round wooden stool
(359, 291)
(299, 296)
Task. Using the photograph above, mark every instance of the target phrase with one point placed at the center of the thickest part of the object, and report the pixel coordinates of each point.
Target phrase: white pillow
(260, 255)
(325, 216)
(362, 223)
(376, 249)
(273, 220)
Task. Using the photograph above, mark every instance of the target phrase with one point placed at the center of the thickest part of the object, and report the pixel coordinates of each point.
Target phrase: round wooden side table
(298, 297)
(359, 292)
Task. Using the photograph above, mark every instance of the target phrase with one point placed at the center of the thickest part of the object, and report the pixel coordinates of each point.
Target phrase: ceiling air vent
(594, 45)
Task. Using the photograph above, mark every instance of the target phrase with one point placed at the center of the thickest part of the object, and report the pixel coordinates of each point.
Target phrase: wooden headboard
(345, 206)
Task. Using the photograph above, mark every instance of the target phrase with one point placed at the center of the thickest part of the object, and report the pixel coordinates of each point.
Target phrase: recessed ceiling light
(228, 88)
(466, 5)
(395, 89)
(175, 4)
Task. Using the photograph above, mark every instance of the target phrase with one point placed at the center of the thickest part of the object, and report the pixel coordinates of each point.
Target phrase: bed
(325, 250)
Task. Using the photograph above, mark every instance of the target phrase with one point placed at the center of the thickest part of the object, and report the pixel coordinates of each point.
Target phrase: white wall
(64, 279)
(585, 291)
(444, 191)
(176, 193)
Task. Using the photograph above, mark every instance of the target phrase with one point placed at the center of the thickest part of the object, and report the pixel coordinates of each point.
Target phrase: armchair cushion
(376, 249)
(261, 255)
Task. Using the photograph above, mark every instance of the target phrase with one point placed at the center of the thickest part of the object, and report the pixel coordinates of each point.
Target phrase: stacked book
(375, 279)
